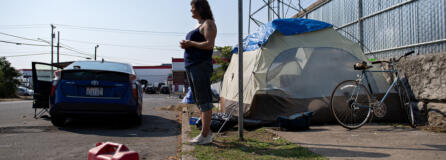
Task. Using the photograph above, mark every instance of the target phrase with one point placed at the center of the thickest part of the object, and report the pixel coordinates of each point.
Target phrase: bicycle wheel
(350, 104)
(406, 106)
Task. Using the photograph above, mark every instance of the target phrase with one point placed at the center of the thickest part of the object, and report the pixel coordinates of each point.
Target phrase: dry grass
(178, 107)
(258, 144)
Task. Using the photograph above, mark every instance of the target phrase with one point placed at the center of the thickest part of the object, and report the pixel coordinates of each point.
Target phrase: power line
(29, 39)
(23, 25)
(15, 51)
(36, 54)
(21, 55)
(144, 62)
(121, 60)
(116, 30)
(76, 51)
(26, 44)
(64, 46)
(127, 30)
(120, 45)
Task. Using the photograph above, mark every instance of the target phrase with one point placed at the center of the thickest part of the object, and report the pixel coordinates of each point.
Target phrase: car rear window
(94, 75)
(103, 66)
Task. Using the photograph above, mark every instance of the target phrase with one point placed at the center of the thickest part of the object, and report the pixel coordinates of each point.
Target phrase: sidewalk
(370, 142)
(185, 129)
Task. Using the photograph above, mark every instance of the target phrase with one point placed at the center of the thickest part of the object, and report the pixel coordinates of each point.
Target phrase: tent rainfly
(292, 66)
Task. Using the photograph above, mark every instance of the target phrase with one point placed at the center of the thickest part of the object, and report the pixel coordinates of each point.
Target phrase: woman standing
(199, 46)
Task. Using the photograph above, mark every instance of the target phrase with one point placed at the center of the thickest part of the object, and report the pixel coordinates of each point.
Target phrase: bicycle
(352, 104)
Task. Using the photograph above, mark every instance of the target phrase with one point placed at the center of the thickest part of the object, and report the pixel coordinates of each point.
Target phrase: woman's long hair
(203, 8)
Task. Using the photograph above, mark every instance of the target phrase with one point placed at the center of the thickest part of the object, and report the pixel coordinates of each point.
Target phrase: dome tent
(292, 66)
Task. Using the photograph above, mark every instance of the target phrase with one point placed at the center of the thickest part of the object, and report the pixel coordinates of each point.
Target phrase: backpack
(295, 122)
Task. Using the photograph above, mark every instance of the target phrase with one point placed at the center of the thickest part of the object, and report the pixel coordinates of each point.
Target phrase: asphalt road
(23, 137)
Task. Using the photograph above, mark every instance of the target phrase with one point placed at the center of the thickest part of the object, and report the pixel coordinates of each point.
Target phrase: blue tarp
(189, 98)
(289, 26)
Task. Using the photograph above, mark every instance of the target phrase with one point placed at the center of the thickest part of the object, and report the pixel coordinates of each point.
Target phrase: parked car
(92, 88)
(158, 88)
(150, 90)
(164, 89)
(23, 91)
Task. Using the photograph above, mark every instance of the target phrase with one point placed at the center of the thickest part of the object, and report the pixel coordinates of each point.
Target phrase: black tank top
(193, 55)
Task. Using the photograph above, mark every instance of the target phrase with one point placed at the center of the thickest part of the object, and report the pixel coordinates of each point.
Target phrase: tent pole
(240, 69)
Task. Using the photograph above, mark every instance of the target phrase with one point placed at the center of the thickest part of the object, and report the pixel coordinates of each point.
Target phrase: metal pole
(52, 39)
(240, 69)
(269, 11)
(58, 45)
(278, 9)
(360, 27)
(249, 18)
(95, 50)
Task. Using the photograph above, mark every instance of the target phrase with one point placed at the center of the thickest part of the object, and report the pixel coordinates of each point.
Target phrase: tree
(223, 60)
(8, 79)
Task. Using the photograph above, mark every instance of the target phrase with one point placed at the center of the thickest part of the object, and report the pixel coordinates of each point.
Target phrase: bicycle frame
(364, 76)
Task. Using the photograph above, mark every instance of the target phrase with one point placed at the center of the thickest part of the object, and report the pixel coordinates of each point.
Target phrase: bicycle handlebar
(405, 55)
(375, 62)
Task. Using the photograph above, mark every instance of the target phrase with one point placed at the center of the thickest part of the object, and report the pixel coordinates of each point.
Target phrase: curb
(185, 128)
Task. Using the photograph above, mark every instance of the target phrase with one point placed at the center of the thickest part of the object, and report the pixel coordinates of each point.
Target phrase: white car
(23, 91)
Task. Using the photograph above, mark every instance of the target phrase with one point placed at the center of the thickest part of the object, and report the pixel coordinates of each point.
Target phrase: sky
(139, 32)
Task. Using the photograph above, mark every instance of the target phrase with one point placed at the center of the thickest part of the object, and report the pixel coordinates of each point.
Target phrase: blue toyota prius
(88, 89)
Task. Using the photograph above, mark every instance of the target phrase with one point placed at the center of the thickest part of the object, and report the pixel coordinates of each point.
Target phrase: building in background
(153, 74)
(179, 78)
(25, 78)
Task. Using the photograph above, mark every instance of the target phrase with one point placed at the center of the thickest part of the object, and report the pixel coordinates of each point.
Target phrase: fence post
(360, 26)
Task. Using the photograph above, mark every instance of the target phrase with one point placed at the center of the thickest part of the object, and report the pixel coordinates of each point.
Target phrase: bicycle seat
(361, 66)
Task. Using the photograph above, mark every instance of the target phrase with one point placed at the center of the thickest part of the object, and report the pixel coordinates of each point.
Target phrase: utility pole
(95, 50)
(52, 39)
(58, 45)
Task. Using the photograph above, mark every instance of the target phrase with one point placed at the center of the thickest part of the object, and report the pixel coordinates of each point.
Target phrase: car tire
(58, 121)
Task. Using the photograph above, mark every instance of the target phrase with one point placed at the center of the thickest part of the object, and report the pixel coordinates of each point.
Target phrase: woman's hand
(185, 44)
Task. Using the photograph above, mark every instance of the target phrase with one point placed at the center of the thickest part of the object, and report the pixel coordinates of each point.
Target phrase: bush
(223, 61)
(8, 81)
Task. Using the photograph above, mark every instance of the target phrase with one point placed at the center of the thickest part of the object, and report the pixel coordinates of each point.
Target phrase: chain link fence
(388, 28)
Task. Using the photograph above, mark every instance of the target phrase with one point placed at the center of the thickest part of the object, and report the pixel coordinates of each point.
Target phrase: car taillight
(135, 92)
(132, 79)
(57, 75)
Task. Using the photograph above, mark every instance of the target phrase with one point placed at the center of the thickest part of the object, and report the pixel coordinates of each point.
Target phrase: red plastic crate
(111, 151)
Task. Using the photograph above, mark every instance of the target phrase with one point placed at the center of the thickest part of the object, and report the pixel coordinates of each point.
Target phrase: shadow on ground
(152, 126)
(409, 148)
(336, 152)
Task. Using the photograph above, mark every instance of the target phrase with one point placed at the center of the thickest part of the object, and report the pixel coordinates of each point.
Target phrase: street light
(95, 50)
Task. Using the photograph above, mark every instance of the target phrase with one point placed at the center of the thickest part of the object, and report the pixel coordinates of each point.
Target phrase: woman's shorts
(199, 77)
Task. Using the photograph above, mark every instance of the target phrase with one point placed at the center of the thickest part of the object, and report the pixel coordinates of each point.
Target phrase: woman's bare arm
(209, 30)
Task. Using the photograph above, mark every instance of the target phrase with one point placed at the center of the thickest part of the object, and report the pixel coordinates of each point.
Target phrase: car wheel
(58, 121)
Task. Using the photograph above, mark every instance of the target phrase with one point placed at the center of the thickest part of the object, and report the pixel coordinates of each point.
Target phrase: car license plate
(94, 91)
